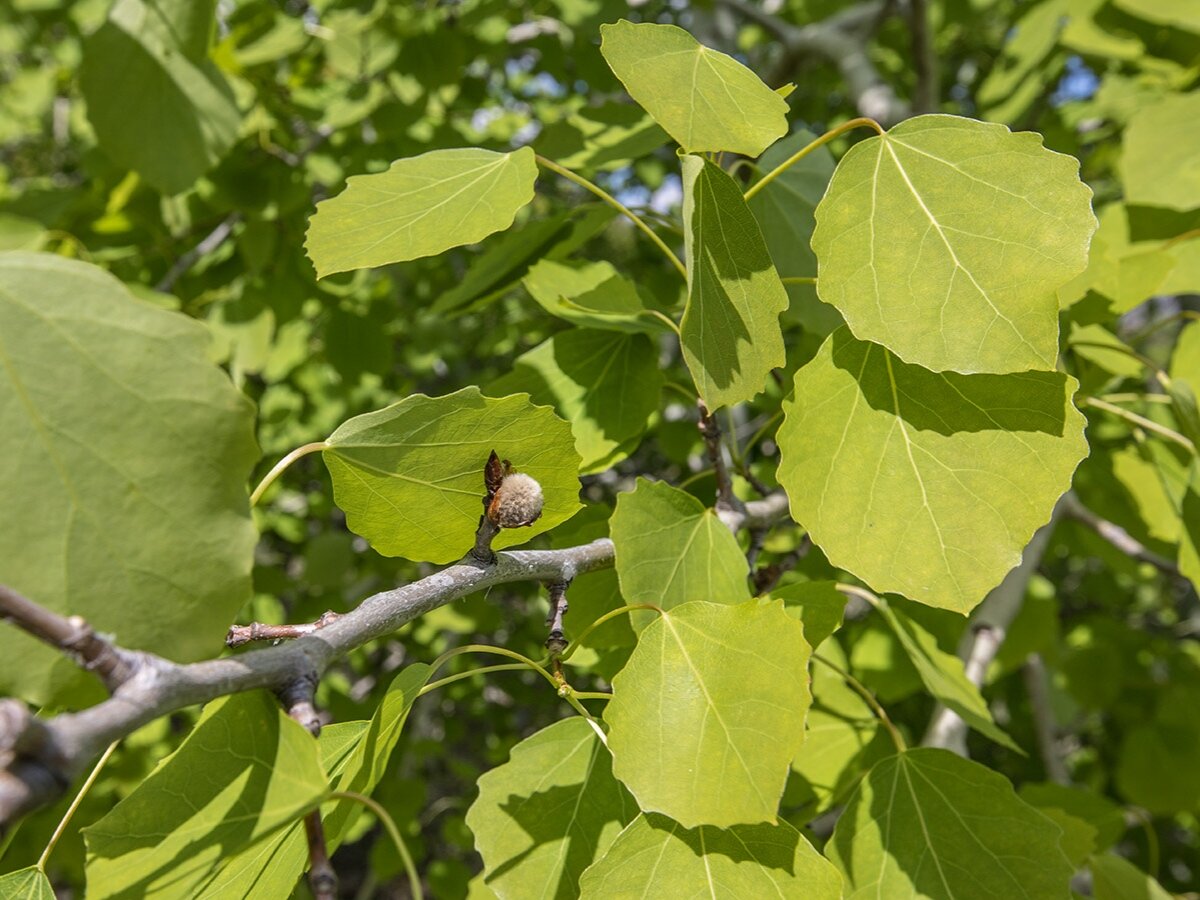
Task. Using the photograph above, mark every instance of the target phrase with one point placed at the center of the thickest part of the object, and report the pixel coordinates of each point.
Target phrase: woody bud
(517, 502)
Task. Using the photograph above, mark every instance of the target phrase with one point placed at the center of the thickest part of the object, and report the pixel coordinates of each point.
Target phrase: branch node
(298, 697)
(556, 643)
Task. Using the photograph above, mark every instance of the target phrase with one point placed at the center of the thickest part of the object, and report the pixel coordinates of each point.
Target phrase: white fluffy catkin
(518, 502)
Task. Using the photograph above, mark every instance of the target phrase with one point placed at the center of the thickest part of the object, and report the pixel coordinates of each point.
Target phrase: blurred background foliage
(199, 202)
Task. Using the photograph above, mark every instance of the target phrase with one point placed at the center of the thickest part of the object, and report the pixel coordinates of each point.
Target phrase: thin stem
(1146, 361)
(483, 670)
(667, 320)
(592, 695)
(799, 279)
(1142, 422)
(617, 205)
(611, 614)
(1184, 314)
(279, 467)
(828, 136)
(87, 786)
(1130, 397)
(414, 880)
(855, 591)
(862, 691)
(495, 651)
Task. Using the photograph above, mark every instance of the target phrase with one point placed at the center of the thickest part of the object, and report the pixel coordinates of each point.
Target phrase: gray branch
(841, 39)
(39, 758)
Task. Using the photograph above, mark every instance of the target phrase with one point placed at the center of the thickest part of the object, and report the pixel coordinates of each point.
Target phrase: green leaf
(1114, 878)
(548, 813)
(410, 477)
(1106, 817)
(354, 756)
(420, 207)
(589, 293)
(244, 771)
(928, 823)
(601, 138)
(26, 884)
(709, 712)
(606, 384)
(655, 857)
(730, 330)
(945, 239)
(672, 549)
(1160, 158)
(943, 675)
(818, 605)
(924, 484)
(134, 451)
(705, 100)
(158, 104)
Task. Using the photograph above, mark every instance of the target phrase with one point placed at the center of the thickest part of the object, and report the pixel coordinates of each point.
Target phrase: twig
(710, 430)
(1116, 535)
(215, 238)
(73, 636)
(47, 754)
(768, 576)
(925, 97)
(256, 631)
(298, 698)
(556, 643)
(1037, 684)
(985, 635)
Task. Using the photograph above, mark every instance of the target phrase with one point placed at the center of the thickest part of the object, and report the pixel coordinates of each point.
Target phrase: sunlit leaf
(709, 712)
(410, 477)
(420, 207)
(26, 884)
(944, 240)
(924, 484)
(1159, 163)
(713, 102)
(589, 293)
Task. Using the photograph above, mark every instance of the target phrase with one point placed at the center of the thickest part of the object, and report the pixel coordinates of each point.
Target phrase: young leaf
(655, 857)
(709, 712)
(244, 771)
(928, 823)
(548, 813)
(730, 330)
(589, 293)
(158, 104)
(925, 484)
(943, 676)
(420, 207)
(127, 465)
(945, 239)
(410, 477)
(1160, 162)
(671, 549)
(705, 100)
(606, 384)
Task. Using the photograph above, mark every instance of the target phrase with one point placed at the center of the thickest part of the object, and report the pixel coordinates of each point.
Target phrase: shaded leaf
(1160, 160)
(158, 104)
(928, 823)
(548, 813)
(245, 771)
(601, 138)
(589, 293)
(671, 549)
(730, 330)
(134, 450)
(655, 857)
(818, 605)
(943, 675)
(924, 484)
(420, 207)
(605, 383)
(945, 239)
(1114, 878)
(410, 477)
(713, 102)
(709, 712)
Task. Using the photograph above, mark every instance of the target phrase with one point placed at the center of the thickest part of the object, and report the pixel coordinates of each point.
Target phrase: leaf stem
(593, 695)
(483, 670)
(670, 323)
(279, 468)
(62, 825)
(414, 880)
(1146, 361)
(828, 136)
(615, 204)
(1141, 422)
(495, 651)
(799, 279)
(862, 691)
(611, 614)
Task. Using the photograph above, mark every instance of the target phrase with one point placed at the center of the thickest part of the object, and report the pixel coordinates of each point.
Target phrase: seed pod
(517, 502)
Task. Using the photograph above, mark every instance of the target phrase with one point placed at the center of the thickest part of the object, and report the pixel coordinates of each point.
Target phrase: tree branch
(985, 635)
(925, 97)
(46, 755)
(211, 242)
(1116, 535)
(840, 39)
